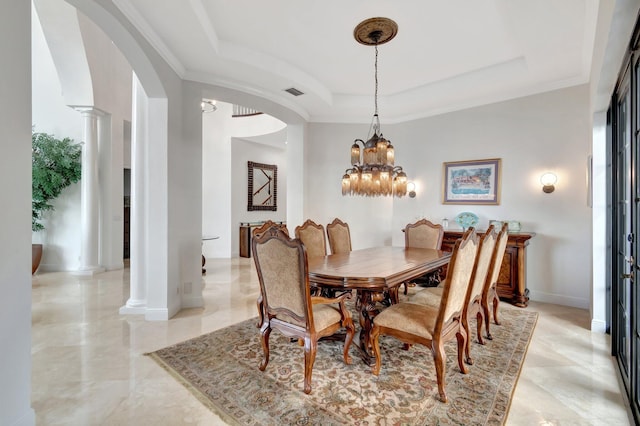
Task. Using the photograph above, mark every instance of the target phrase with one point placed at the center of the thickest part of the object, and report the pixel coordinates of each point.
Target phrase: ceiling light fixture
(208, 105)
(374, 173)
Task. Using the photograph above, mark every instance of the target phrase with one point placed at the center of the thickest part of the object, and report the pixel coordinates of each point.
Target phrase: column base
(133, 307)
(89, 271)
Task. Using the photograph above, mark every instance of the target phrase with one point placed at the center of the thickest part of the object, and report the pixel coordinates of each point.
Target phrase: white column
(90, 195)
(137, 303)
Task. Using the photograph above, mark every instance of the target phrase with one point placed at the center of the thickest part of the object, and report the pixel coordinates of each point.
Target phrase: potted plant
(55, 164)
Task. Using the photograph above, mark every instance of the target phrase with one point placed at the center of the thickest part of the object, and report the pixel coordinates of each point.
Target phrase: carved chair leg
(487, 318)
(310, 350)
(463, 340)
(440, 359)
(496, 302)
(467, 343)
(375, 345)
(479, 323)
(260, 311)
(351, 332)
(265, 331)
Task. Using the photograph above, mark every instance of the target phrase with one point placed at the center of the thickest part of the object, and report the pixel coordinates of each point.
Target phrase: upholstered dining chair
(489, 292)
(288, 306)
(339, 237)
(268, 224)
(433, 326)
(473, 299)
(423, 234)
(312, 236)
(257, 232)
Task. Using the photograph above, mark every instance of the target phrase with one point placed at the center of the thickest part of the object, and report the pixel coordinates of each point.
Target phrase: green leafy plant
(55, 164)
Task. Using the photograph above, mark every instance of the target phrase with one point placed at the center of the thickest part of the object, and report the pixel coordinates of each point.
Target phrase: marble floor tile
(89, 366)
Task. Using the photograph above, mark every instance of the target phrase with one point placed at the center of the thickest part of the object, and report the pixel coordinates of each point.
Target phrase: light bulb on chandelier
(374, 173)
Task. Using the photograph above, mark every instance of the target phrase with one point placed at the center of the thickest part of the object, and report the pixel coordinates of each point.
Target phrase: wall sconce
(411, 188)
(208, 105)
(548, 181)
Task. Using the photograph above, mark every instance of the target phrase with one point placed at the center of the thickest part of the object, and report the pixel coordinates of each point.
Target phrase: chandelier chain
(376, 81)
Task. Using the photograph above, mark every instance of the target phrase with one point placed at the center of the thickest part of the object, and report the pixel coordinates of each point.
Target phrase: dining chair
(268, 224)
(433, 326)
(339, 237)
(312, 236)
(424, 234)
(288, 306)
(473, 299)
(256, 233)
(489, 292)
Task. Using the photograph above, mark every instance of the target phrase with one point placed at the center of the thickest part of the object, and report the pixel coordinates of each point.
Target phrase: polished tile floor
(89, 367)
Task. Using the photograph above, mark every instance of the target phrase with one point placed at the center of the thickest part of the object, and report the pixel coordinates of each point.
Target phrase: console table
(512, 280)
(246, 231)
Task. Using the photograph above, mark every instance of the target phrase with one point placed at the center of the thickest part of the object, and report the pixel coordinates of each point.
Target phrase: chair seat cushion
(429, 296)
(325, 315)
(419, 320)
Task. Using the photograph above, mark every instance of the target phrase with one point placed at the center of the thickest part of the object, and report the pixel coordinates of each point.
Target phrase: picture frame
(471, 182)
(262, 186)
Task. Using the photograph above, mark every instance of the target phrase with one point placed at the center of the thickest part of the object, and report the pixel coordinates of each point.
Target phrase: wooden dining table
(376, 274)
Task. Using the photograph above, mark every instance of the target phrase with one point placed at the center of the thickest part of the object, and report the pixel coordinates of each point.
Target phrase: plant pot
(36, 256)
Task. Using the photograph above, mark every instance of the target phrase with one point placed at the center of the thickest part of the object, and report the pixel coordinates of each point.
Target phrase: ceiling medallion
(374, 31)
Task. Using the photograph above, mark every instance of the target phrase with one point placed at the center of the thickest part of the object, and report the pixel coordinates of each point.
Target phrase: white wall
(111, 76)
(15, 190)
(51, 115)
(227, 145)
(216, 181)
(531, 135)
(242, 152)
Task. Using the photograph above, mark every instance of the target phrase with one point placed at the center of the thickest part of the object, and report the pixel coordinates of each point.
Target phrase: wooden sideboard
(246, 231)
(512, 281)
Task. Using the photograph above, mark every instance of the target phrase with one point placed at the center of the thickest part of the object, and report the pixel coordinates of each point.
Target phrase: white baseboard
(156, 314)
(88, 272)
(192, 302)
(114, 267)
(598, 326)
(558, 299)
(27, 419)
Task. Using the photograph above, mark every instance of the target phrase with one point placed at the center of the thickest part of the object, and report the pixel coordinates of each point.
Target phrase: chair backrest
(423, 234)
(339, 237)
(268, 224)
(281, 263)
(498, 255)
(459, 273)
(312, 236)
(486, 249)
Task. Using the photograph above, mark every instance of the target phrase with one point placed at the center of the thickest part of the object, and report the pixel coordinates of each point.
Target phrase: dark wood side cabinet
(246, 231)
(512, 284)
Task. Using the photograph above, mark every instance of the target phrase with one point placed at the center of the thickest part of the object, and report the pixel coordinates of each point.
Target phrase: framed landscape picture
(471, 182)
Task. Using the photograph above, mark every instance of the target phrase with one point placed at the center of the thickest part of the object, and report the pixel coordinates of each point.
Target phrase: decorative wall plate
(466, 220)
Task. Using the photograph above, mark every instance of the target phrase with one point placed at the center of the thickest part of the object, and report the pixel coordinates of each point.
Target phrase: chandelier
(374, 173)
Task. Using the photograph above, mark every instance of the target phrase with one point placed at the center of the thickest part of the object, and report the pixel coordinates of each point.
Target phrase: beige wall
(549, 131)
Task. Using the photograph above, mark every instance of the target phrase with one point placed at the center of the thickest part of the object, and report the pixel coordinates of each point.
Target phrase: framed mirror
(262, 186)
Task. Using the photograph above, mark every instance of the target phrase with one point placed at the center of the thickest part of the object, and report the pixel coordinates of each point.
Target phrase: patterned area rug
(221, 369)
